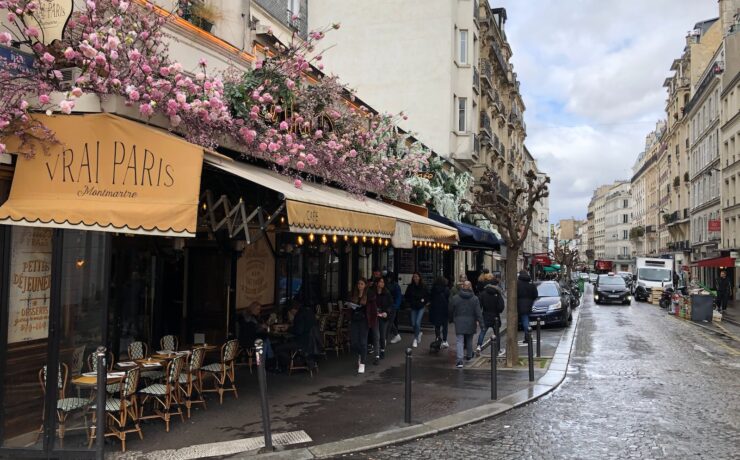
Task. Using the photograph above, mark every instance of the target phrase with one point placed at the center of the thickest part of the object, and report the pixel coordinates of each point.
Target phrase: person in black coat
(526, 294)
(380, 298)
(440, 297)
(492, 303)
(307, 337)
(724, 291)
(417, 297)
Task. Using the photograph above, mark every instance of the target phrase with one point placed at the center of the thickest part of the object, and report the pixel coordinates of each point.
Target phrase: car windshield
(654, 274)
(611, 281)
(547, 290)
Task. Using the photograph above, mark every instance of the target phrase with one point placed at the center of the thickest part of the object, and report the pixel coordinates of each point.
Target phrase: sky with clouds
(592, 75)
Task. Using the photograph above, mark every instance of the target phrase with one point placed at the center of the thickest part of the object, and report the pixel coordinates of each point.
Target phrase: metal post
(407, 409)
(538, 337)
(100, 397)
(530, 357)
(262, 378)
(494, 357)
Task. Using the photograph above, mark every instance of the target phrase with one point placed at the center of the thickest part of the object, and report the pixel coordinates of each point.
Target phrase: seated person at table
(306, 331)
(251, 328)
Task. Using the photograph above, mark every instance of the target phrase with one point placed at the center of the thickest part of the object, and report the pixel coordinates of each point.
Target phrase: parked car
(553, 304)
(611, 288)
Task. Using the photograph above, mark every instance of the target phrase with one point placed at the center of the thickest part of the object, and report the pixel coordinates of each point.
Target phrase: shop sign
(30, 284)
(714, 225)
(52, 17)
(541, 259)
(255, 275)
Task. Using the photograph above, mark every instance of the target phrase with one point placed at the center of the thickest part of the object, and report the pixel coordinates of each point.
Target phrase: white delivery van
(652, 273)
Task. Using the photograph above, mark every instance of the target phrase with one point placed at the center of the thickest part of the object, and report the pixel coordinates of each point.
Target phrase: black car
(552, 305)
(611, 288)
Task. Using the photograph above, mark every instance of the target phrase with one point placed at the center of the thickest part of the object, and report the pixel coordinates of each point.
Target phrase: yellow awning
(323, 209)
(109, 174)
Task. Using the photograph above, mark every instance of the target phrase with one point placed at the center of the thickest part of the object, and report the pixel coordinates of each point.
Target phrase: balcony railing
(486, 72)
(476, 145)
(476, 12)
(485, 124)
(503, 190)
(476, 80)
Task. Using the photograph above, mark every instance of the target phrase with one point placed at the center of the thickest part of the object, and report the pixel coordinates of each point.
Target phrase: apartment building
(618, 222)
(645, 188)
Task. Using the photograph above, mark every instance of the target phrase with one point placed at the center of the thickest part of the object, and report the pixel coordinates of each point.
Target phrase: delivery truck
(652, 273)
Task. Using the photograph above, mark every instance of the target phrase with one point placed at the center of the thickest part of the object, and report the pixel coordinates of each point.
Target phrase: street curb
(547, 383)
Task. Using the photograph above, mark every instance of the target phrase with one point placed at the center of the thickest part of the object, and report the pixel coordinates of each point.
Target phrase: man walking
(465, 312)
(526, 294)
(395, 290)
(724, 291)
(492, 304)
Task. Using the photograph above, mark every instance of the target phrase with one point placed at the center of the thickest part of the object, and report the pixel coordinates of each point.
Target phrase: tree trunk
(512, 317)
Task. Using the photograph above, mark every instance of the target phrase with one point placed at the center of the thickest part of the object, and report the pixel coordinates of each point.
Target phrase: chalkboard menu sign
(426, 269)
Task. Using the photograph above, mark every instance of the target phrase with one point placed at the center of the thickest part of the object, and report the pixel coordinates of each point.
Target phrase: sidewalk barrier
(538, 338)
(262, 378)
(530, 358)
(102, 380)
(407, 398)
(494, 357)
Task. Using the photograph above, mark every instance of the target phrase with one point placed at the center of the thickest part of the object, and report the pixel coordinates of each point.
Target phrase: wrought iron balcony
(476, 80)
(485, 124)
(486, 72)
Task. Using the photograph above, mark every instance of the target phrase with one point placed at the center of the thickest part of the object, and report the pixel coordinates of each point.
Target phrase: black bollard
(100, 397)
(407, 409)
(538, 338)
(530, 357)
(262, 378)
(494, 357)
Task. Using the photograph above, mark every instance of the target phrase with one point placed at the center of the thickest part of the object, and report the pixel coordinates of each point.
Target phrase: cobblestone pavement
(640, 384)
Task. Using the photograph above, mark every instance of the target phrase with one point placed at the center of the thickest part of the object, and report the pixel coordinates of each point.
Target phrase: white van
(652, 273)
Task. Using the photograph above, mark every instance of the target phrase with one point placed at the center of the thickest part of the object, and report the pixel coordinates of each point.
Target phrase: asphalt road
(640, 384)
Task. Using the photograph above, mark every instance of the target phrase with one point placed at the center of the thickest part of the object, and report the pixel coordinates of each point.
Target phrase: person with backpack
(492, 303)
(464, 310)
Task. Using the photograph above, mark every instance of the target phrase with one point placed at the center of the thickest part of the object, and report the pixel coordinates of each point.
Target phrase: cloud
(591, 74)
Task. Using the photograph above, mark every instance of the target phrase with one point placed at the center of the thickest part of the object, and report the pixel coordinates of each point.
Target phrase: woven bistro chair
(191, 379)
(119, 411)
(65, 406)
(140, 350)
(165, 396)
(168, 342)
(92, 365)
(223, 371)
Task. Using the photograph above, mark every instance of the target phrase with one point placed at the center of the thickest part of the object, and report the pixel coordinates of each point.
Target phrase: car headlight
(555, 306)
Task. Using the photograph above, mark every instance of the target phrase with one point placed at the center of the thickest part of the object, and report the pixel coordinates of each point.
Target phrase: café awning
(470, 236)
(323, 209)
(717, 262)
(105, 173)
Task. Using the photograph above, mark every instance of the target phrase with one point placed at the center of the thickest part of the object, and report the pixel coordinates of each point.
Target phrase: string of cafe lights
(364, 240)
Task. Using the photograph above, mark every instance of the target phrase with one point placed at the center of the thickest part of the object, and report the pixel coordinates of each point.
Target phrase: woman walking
(440, 297)
(380, 300)
(417, 298)
(359, 325)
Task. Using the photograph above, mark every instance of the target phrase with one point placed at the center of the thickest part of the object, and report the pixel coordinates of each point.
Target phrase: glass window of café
(53, 312)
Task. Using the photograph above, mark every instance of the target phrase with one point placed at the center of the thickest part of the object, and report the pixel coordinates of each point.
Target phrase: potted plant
(204, 15)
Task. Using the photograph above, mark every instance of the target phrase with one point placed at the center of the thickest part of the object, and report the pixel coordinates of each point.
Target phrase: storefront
(70, 276)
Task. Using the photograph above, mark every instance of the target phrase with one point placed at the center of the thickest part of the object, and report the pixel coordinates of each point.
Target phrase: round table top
(92, 380)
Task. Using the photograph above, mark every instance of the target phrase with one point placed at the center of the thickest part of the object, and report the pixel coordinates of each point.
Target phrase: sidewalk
(337, 407)
(732, 314)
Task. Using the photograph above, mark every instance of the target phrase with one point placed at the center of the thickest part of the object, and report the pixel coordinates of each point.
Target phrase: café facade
(122, 232)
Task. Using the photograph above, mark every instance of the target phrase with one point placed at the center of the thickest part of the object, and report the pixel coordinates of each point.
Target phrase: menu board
(30, 284)
(255, 275)
(406, 261)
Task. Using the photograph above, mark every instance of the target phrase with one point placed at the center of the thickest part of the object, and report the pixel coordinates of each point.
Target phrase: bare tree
(564, 255)
(512, 214)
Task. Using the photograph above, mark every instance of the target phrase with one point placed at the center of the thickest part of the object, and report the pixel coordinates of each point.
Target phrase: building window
(294, 8)
(625, 218)
(461, 114)
(625, 204)
(463, 49)
(625, 234)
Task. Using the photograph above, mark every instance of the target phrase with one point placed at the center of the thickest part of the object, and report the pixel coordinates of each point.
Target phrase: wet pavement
(337, 403)
(641, 384)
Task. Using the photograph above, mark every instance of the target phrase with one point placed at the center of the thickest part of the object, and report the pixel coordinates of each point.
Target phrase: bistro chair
(165, 396)
(224, 370)
(191, 379)
(168, 342)
(299, 362)
(140, 350)
(120, 410)
(65, 406)
(92, 365)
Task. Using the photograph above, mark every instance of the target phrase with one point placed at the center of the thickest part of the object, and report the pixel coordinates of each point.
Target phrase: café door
(210, 294)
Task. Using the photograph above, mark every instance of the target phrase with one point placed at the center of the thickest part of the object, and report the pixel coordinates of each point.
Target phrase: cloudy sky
(591, 74)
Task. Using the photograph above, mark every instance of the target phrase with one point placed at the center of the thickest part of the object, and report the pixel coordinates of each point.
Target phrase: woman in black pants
(380, 300)
(359, 325)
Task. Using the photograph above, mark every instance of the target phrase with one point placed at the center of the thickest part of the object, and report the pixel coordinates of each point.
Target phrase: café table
(90, 379)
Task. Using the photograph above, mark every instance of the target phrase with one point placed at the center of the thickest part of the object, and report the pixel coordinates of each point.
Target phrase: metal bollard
(530, 357)
(262, 378)
(494, 376)
(407, 408)
(100, 397)
(538, 338)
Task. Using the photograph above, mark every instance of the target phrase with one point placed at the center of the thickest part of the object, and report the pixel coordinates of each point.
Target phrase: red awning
(717, 262)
